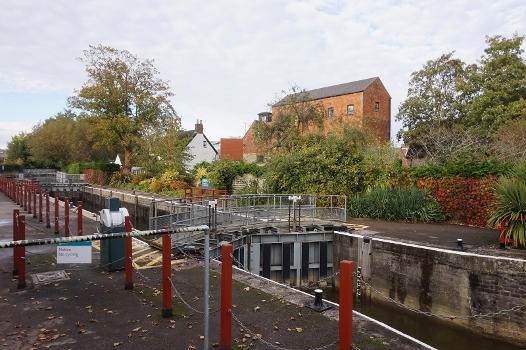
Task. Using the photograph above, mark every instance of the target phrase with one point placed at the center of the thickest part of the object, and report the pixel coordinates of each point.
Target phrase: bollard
(56, 214)
(21, 266)
(167, 275)
(16, 250)
(226, 296)
(40, 204)
(28, 200)
(47, 210)
(79, 218)
(34, 203)
(66, 217)
(346, 290)
(128, 254)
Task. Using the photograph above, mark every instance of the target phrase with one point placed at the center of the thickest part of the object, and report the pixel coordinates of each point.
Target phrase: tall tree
(498, 85)
(433, 98)
(122, 97)
(18, 150)
(59, 141)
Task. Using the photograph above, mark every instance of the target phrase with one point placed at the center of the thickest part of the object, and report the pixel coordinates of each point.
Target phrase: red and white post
(47, 210)
(346, 290)
(226, 296)
(21, 266)
(16, 213)
(128, 254)
(167, 276)
(66, 217)
(56, 214)
(79, 218)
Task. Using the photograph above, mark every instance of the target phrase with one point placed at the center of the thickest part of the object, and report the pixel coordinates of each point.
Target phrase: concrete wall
(443, 282)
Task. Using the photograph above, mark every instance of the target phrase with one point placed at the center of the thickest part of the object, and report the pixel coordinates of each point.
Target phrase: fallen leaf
(292, 318)
(117, 344)
(299, 329)
(246, 335)
(215, 345)
(277, 343)
(129, 335)
(202, 337)
(136, 329)
(247, 288)
(256, 308)
(63, 298)
(276, 327)
(81, 331)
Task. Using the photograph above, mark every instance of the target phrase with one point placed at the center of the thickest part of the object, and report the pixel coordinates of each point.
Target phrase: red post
(22, 256)
(346, 290)
(66, 217)
(29, 200)
(40, 204)
(79, 218)
(128, 254)
(56, 214)
(34, 203)
(16, 213)
(226, 296)
(47, 210)
(167, 275)
(24, 196)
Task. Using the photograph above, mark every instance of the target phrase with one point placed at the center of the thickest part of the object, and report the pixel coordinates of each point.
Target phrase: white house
(200, 148)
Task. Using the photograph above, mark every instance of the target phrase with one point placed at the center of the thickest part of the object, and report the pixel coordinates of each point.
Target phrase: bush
(396, 204)
(79, 167)
(463, 168)
(120, 178)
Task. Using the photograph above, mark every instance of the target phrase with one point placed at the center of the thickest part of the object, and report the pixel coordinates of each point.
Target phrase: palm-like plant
(511, 205)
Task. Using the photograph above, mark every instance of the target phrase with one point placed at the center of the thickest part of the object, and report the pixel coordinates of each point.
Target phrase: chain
(311, 284)
(269, 344)
(428, 313)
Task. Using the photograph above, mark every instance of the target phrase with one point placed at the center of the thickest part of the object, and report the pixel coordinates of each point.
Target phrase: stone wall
(443, 282)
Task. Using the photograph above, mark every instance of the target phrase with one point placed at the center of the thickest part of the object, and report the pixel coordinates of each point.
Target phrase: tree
(18, 150)
(295, 115)
(59, 141)
(433, 98)
(498, 85)
(122, 99)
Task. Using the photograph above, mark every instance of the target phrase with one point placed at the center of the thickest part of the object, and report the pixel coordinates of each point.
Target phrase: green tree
(497, 87)
(433, 98)
(59, 141)
(123, 98)
(18, 150)
(296, 114)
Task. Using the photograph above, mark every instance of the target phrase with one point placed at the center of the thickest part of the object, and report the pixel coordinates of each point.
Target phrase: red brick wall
(378, 122)
(233, 148)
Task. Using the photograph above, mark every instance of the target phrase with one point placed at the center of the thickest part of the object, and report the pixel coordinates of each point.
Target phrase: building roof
(331, 91)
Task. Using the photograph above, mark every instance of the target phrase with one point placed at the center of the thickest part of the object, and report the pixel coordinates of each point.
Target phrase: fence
(244, 210)
(65, 178)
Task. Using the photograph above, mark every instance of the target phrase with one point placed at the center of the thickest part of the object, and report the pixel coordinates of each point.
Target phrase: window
(377, 106)
(330, 111)
(350, 109)
(204, 144)
(260, 159)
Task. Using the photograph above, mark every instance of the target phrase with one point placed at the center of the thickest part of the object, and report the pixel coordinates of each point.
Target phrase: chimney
(199, 126)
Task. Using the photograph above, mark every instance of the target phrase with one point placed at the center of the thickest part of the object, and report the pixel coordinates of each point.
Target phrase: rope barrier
(93, 237)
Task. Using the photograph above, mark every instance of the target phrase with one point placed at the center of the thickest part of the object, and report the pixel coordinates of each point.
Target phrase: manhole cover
(50, 276)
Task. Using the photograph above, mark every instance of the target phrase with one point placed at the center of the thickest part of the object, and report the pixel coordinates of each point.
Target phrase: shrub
(79, 167)
(120, 177)
(396, 204)
(511, 205)
(137, 179)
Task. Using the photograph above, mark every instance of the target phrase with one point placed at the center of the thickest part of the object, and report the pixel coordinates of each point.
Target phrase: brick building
(362, 103)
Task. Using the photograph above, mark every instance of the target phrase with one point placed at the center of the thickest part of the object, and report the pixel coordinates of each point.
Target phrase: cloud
(227, 60)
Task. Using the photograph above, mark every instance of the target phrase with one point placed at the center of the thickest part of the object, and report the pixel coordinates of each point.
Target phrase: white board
(74, 253)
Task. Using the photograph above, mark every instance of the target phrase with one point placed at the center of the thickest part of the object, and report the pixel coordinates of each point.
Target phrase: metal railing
(245, 210)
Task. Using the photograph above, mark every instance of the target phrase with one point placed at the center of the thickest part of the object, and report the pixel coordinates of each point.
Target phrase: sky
(227, 60)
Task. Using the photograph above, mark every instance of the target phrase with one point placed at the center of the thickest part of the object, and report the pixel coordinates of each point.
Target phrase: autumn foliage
(467, 201)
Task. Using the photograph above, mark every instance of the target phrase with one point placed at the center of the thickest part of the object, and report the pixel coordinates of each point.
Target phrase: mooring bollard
(47, 210)
(167, 275)
(66, 217)
(34, 203)
(128, 254)
(346, 290)
(56, 214)
(40, 204)
(16, 213)
(226, 296)
(79, 218)
(21, 266)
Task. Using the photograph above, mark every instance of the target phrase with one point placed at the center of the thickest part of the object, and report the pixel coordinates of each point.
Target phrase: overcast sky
(226, 60)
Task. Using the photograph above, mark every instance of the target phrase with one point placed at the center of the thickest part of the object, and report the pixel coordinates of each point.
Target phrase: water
(430, 330)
